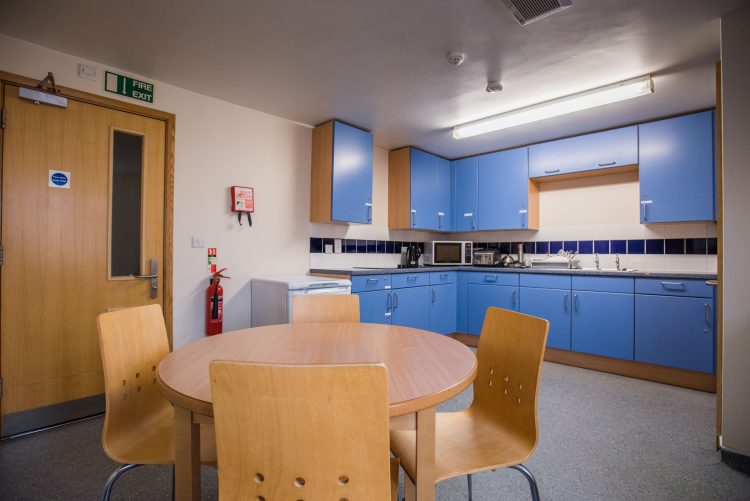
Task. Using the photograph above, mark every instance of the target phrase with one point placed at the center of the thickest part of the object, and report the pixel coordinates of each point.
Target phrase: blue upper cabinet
(677, 169)
(601, 150)
(503, 191)
(341, 187)
(465, 187)
(419, 191)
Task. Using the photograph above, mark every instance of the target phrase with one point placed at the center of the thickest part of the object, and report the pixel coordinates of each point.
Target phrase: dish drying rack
(563, 260)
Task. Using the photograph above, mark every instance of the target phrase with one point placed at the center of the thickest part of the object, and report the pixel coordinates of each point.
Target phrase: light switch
(87, 71)
(198, 242)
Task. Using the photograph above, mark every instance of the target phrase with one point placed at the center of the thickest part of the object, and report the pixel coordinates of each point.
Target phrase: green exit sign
(130, 87)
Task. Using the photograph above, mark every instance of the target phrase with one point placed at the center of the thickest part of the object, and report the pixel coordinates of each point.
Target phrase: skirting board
(51, 415)
(657, 373)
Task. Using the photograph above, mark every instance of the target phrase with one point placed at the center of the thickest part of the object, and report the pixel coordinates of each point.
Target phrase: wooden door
(57, 274)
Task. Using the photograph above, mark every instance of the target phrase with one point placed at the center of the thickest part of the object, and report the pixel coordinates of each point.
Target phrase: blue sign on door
(59, 179)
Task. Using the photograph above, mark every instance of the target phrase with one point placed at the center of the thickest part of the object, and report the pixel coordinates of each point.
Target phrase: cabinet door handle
(444, 276)
(575, 302)
(389, 305)
(440, 219)
(411, 278)
(712, 283)
(433, 295)
(514, 296)
(413, 217)
(551, 171)
(667, 285)
(706, 312)
(605, 164)
(644, 206)
(523, 213)
(395, 300)
(565, 301)
(490, 278)
(373, 280)
(369, 211)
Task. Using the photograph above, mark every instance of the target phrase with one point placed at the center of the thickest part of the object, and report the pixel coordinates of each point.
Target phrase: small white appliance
(444, 253)
(271, 297)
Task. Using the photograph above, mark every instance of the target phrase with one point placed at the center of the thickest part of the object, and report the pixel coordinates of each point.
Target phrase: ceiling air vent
(528, 11)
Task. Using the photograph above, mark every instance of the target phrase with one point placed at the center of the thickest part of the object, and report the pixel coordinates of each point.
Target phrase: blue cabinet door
(375, 307)
(424, 187)
(465, 188)
(351, 196)
(411, 307)
(553, 305)
(462, 302)
(481, 297)
(443, 195)
(503, 190)
(601, 150)
(602, 324)
(677, 169)
(675, 331)
(443, 308)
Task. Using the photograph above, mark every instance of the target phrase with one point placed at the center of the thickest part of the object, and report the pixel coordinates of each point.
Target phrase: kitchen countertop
(481, 269)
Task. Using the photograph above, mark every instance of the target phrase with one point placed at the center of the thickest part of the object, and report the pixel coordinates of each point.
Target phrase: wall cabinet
(590, 152)
(504, 191)
(677, 169)
(419, 191)
(465, 193)
(341, 171)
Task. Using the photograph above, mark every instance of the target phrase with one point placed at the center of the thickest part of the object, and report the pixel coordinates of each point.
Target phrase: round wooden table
(424, 369)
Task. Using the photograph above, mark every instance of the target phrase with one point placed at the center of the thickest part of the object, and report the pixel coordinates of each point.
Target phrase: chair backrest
(301, 431)
(509, 366)
(133, 341)
(325, 308)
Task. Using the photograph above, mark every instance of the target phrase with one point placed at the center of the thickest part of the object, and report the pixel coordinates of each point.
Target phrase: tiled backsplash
(375, 253)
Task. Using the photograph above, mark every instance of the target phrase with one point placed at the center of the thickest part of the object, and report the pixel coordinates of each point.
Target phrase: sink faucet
(617, 261)
(596, 261)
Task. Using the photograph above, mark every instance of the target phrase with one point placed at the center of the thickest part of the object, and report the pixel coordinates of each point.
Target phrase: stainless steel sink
(607, 270)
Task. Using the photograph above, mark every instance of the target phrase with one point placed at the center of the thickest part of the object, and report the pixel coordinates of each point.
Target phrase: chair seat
(465, 442)
(153, 443)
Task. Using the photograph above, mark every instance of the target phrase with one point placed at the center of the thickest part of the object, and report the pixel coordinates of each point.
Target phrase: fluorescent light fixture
(576, 102)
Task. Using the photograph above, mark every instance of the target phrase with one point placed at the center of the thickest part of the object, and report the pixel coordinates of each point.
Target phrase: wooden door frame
(169, 155)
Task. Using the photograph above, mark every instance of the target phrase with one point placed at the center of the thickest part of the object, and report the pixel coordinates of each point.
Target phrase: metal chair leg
(530, 478)
(468, 479)
(112, 478)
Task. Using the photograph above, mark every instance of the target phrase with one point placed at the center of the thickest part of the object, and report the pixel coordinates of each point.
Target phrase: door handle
(389, 304)
(369, 211)
(395, 300)
(565, 301)
(644, 205)
(153, 276)
(706, 312)
(551, 171)
(433, 295)
(440, 219)
(605, 164)
(413, 217)
(712, 283)
(575, 302)
(514, 296)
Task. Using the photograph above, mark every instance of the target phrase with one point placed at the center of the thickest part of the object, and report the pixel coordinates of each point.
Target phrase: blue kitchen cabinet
(465, 193)
(351, 196)
(481, 297)
(602, 324)
(677, 169)
(553, 305)
(375, 307)
(503, 192)
(443, 201)
(590, 152)
(411, 307)
(424, 185)
(443, 308)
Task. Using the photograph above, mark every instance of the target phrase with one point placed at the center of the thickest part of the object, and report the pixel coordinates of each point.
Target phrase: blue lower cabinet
(411, 307)
(553, 305)
(443, 308)
(375, 307)
(603, 324)
(675, 332)
(462, 301)
(481, 297)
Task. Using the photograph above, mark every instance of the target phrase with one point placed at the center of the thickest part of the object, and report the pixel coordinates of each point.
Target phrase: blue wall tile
(504, 247)
(529, 247)
(618, 247)
(316, 245)
(636, 247)
(655, 246)
(554, 247)
(381, 247)
(372, 247)
(421, 246)
(674, 246)
(542, 247)
(695, 246)
(571, 246)
(361, 246)
(389, 247)
(493, 245)
(585, 246)
(712, 246)
(601, 246)
(350, 246)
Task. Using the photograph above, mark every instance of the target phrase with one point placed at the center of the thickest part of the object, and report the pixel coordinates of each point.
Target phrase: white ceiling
(382, 64)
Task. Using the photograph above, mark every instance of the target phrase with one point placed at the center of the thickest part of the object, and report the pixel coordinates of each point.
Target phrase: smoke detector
(456, 58)
(528, 11)
(493, 86)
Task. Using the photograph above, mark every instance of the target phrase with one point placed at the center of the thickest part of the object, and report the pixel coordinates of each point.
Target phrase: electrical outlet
(87, 71)
(198, 242)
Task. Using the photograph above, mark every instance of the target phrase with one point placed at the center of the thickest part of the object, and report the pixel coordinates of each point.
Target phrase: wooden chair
(139, 421)
(499, 429)
(302, 431)
(325, 308)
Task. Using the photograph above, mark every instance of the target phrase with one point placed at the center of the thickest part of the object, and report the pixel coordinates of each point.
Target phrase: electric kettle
(412, 255)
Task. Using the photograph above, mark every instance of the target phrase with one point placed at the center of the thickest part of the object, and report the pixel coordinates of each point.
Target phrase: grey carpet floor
(601, 437)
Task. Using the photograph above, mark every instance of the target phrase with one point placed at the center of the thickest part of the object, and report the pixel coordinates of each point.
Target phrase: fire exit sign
(130, 87)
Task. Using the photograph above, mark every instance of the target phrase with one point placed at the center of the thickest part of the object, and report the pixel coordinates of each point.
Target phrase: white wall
(735, 54)
(217, 145)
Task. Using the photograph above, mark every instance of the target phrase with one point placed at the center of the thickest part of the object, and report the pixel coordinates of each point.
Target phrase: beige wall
(735, 54)
(217, 145)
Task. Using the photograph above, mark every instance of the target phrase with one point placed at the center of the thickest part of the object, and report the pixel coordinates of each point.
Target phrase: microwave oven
(443, 253)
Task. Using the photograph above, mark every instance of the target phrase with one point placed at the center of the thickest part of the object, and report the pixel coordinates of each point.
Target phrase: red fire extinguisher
(215, 304)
